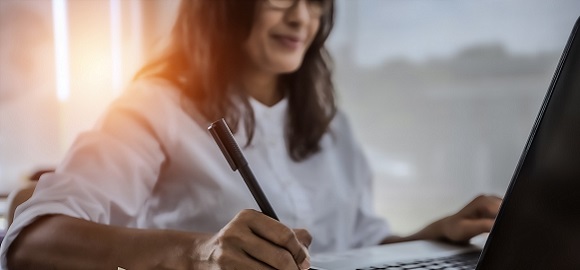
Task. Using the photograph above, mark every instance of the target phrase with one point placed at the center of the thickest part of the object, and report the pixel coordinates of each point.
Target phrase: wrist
(444, 230)
(166, 249)
(438, 230)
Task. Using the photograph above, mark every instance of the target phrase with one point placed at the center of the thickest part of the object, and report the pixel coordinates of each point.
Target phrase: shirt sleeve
(108, 173)
(370, 228)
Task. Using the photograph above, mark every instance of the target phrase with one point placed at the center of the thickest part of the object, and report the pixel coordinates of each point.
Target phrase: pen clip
(217, 130)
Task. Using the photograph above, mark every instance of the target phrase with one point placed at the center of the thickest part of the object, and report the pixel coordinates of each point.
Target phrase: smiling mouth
(288, 42)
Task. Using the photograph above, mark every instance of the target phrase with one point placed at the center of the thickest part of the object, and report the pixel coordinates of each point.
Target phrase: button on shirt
(151, 163)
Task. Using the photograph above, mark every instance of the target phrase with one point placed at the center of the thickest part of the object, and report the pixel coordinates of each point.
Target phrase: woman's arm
(64, 242)
(475, 218)
(250, 241)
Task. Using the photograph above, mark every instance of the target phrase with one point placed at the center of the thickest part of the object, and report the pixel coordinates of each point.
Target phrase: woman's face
(280, 37)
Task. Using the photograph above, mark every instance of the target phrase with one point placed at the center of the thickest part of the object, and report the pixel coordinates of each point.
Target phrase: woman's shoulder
(341, 123)
(151, 102)
(154, 90)
(155, 98)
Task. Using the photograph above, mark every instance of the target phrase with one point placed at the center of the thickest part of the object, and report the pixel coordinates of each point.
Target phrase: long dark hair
(205, 53)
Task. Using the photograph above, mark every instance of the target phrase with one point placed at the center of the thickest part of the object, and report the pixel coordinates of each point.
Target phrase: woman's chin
(288, 68)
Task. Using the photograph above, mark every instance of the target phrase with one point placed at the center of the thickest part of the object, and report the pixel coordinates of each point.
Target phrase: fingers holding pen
(303, 236)
(272, 255)
(252, 238)
(279, 235)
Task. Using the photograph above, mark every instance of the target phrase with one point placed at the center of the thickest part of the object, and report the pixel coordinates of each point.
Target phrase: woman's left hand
(475, 218)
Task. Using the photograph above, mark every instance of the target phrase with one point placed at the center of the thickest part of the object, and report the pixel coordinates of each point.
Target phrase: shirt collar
(276, 111)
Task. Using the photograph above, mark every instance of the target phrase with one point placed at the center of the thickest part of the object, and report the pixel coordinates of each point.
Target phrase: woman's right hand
(255, 241)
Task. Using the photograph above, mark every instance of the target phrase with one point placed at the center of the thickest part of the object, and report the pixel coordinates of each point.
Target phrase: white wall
(36, 127)
(444, 93)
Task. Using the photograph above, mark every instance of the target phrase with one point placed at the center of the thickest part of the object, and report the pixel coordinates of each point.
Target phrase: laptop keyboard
(455, 262)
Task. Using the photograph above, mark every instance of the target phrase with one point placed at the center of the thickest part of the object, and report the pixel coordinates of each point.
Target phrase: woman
(148, 188)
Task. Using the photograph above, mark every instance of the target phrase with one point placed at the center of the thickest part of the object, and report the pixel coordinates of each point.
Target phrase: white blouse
(149, 164)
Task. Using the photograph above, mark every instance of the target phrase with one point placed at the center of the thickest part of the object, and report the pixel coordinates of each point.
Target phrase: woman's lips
(289, 42)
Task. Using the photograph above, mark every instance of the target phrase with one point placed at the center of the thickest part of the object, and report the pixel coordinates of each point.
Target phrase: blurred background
(442, 94)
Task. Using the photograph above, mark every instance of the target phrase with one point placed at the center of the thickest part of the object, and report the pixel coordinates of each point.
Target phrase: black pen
(224, 138)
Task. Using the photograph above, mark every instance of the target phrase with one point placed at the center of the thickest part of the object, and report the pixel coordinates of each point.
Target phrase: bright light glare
(60, 18)
(115, 7)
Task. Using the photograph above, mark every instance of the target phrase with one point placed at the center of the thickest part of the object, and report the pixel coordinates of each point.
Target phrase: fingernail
(305, 265)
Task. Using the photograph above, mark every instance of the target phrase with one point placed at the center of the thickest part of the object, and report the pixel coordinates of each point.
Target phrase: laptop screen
(539, 223)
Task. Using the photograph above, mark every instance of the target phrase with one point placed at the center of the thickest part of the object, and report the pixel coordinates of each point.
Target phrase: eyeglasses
(317, 8)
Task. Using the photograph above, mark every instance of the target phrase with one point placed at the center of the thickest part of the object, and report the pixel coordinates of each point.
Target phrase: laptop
(538, 225)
